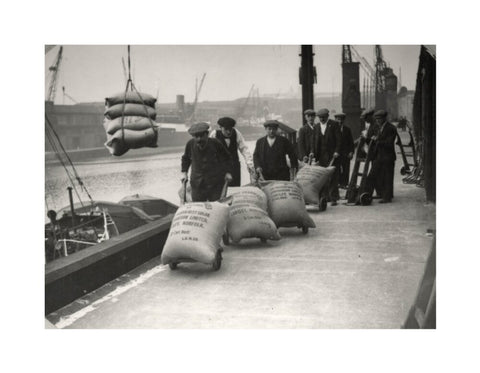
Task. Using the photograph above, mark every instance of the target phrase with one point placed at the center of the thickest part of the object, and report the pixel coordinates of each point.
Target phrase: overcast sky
(92, 72)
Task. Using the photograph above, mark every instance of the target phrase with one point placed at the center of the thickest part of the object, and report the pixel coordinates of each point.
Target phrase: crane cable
(133, 88)
(77, 177)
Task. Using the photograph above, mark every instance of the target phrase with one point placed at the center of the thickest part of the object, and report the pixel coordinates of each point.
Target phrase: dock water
(359, 268)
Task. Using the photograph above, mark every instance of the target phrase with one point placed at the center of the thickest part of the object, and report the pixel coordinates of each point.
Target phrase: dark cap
(309, 112)
(366, 113)
(198, 128)
(271, 123)
(226, 122)
(322, 112)
(380, 114)
(340, 115)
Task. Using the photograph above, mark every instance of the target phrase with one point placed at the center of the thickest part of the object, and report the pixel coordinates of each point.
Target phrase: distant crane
(68, 96)
(380, 70)
(370, 75)
(52, 88)
(241, 112)
(197, 95)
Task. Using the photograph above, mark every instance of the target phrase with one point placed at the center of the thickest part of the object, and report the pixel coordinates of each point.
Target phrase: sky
(93, 72)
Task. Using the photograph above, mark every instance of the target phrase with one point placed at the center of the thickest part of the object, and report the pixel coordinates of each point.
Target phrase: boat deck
(360, 268)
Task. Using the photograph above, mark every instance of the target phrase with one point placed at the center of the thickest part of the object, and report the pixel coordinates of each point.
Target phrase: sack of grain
(286, 205)
(249, 221)
(134, 123)
(135, 139)
(116, 146)
(252, 195)
(131, 97)
(139, 110)
(196, 232)
(312, 179)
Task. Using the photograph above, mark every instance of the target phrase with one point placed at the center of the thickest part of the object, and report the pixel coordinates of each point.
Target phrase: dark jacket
(209, 165)
(384, 146)
(307, 140)
(272, 160)
(332, 137)
(346, 141)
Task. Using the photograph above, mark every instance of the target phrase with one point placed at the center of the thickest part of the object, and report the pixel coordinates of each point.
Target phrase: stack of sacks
(312, 179)
(196, 231)
(286, 204)
(139, 128)
(249, 217)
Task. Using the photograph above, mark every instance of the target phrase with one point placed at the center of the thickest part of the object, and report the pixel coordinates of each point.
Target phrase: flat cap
(380, 114)
(367, 112)
(340, 115)
(309, 112)
(226, 122)
(323, 112)
(198, 128)
(271, 123)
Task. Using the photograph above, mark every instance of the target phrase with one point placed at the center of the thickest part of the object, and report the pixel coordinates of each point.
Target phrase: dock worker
(381, 174)
(346, 150)
(233, 140)
(307, 137)
(210, 162)
(329, 141)
(269, 156)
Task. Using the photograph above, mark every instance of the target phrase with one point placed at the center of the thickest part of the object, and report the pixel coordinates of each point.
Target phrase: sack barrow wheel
(218, 261)
(226, 238)
(173, 266)
(365, 199)
(322, 205)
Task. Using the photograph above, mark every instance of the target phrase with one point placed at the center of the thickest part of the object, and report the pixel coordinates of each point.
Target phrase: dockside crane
(197, 95)
(68, 96)
(369, 72)
(242, 110)
(52, 88)
(380, 70)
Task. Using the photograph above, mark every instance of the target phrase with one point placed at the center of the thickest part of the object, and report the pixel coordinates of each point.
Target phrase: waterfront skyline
(90, 73)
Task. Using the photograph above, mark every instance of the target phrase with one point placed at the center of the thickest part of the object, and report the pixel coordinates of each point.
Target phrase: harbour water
(112, 178)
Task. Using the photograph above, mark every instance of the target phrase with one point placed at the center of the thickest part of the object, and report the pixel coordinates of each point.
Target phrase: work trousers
(380, 178)
(344, 170)
(205, 193)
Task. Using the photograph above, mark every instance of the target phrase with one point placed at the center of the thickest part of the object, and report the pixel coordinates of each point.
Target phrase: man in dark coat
(233, 140)
(269, 157)
(346, 150)
(307, 137)
(329, 141)
(211, 164)
(383, 158)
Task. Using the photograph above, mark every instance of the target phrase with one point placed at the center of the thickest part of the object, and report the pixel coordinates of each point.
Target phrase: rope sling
(133, 88)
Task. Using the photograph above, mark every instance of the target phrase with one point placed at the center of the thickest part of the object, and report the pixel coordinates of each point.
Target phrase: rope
(77, 176)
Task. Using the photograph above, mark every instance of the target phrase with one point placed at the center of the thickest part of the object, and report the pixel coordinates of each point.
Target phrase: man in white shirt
(233, 140)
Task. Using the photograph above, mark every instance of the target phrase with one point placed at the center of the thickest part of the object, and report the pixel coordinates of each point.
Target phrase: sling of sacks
(249, 217)
(196, 232)
(312, 179)
(286, 204)
(138, 122)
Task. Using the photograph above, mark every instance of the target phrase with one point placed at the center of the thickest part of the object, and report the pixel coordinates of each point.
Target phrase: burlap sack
(249, 221)
(195, 233)
(133, 139)
(131, 97)
(312, 179)
(286, 205)
(252, 195)
(134, 123)
(139, 110)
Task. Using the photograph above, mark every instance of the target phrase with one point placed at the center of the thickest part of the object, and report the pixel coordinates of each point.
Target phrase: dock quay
(359, 268)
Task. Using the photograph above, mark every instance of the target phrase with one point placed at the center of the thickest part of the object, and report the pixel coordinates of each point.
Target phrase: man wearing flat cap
(210, 163)
(307, 137)
(346, 150)
(383, 158)
(270, 154)
(233, 140)
(329, 149)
